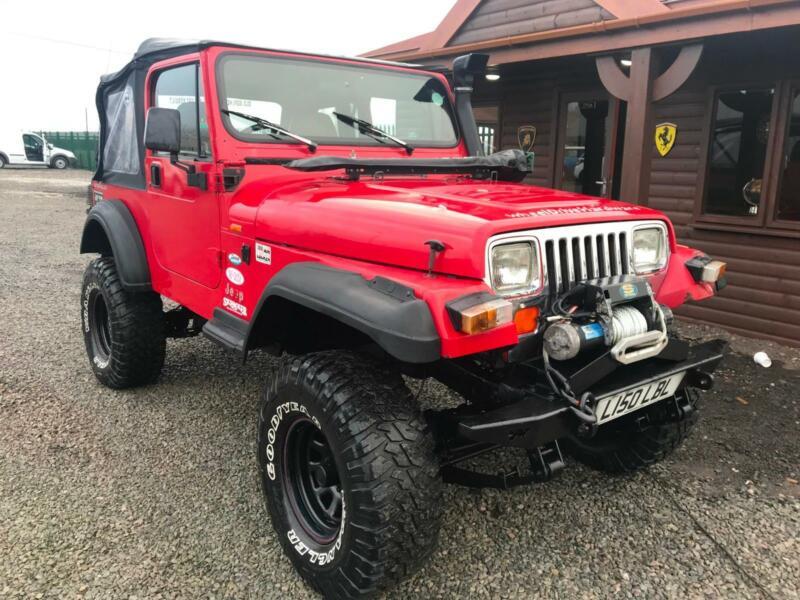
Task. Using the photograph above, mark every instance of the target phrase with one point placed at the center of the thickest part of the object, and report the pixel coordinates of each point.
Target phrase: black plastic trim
(403, 328)
(119, 226)
(227, 330)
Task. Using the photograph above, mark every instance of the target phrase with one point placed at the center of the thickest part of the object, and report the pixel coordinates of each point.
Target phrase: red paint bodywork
(370, 227)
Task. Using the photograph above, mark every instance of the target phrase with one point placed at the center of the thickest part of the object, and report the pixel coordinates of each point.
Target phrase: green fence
(81, 143)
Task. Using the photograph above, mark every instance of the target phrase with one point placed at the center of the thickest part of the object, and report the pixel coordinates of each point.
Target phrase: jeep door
(183, 216)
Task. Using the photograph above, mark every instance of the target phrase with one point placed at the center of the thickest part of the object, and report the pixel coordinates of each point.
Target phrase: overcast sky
(53, 52)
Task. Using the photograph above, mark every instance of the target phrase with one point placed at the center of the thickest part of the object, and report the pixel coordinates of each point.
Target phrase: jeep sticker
(263, 254)
(234, 276)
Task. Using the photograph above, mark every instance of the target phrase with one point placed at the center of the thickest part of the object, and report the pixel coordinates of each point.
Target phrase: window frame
(490, 103)
(570, 94)
(765, 222)
(153, 78)
(366, 142)
(776, 176)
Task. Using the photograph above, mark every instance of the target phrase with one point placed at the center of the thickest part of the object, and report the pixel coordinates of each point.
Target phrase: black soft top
(120, 157)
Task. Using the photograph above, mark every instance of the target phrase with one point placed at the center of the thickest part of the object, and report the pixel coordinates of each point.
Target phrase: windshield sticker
(437, 98)
(234, 276)
(263, 254)
(576, 210)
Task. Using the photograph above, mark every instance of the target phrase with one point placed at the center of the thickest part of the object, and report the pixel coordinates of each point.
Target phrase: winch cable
(627, 321)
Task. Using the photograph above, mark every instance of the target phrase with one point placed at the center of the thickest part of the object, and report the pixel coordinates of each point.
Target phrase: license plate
(627, 401)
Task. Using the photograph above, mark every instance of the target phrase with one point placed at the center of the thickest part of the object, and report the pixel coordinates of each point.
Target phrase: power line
(65, 42)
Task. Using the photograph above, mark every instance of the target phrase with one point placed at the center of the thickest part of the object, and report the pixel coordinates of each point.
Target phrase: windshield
(308, 97)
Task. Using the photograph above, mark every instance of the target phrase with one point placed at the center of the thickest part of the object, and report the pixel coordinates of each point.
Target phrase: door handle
(155, 175)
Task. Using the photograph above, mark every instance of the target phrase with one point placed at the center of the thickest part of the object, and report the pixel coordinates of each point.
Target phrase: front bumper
(541, 418)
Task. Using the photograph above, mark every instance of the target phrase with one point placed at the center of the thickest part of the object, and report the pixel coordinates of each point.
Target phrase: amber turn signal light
(485, 316)
(527, 319)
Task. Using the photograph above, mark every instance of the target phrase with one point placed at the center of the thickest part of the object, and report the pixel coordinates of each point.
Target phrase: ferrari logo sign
(526, 136)
(665, 137)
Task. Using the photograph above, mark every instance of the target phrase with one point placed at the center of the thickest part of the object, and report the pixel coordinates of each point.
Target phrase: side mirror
(50, 146)
(162, 130)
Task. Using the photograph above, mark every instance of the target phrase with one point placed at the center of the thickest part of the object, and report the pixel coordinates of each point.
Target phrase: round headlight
(649, 249)
(514, 267)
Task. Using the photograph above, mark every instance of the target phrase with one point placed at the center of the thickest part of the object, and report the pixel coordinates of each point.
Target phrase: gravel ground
(152, 493)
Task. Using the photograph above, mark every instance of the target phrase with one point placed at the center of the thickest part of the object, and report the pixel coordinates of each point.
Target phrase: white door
(34, 149)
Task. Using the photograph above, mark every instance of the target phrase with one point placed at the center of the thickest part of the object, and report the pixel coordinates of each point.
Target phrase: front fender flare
(111, 229)
(401, 324)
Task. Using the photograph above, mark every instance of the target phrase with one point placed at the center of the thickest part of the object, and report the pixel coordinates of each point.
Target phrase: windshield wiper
(277, 128)
(370, 129)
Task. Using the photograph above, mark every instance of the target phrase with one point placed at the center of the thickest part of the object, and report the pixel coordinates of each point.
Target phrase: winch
(616, 312)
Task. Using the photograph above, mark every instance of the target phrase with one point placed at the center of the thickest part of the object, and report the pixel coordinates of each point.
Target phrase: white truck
(27, 148)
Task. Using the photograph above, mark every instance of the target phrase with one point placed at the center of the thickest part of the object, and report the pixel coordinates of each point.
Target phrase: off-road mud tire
(627, 445)
(124, 332)
(387, 472)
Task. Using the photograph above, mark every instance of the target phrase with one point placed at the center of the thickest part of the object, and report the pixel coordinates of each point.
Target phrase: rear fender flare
(400, 323)
(111, 229)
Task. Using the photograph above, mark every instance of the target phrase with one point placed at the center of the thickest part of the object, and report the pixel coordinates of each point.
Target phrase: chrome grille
(573, 254)
(579, 252)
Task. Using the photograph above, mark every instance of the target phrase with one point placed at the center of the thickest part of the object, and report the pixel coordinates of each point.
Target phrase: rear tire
(349, 473)
(623, 446)
(2, 162)
(124, 332)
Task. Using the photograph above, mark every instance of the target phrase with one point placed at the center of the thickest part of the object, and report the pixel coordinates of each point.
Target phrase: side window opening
(181, 88)
(738, 150)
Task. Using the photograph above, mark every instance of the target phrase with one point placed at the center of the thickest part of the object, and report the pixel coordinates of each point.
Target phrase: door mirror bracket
(162, 133)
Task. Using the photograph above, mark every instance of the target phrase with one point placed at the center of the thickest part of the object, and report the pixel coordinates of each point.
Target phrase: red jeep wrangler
(342, 212)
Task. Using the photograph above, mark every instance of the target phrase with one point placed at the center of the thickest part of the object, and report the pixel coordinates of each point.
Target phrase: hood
(389, 222)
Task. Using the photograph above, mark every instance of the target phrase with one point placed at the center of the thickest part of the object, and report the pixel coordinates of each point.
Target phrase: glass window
(487, 119)
(316, 99)
(178, 88)
(738, 151)
(789, 187)
(584, 147)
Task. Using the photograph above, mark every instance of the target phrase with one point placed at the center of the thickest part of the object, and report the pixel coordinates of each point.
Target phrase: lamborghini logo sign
(665, 137)
(526, 136)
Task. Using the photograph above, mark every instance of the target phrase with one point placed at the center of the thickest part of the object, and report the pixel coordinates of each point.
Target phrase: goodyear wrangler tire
(627, 445)
(124, 332)
(348, 472)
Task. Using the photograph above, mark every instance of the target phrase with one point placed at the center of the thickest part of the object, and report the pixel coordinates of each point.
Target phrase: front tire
(638, 440)
(59, 162)
(349, 473)
(2, 162)
(124, 332)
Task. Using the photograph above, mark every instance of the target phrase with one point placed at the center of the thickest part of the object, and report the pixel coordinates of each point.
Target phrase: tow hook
(546, 461)
(683, 408)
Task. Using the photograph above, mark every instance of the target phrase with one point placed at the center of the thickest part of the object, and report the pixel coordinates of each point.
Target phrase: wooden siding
(501, 18)
(763, 295)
